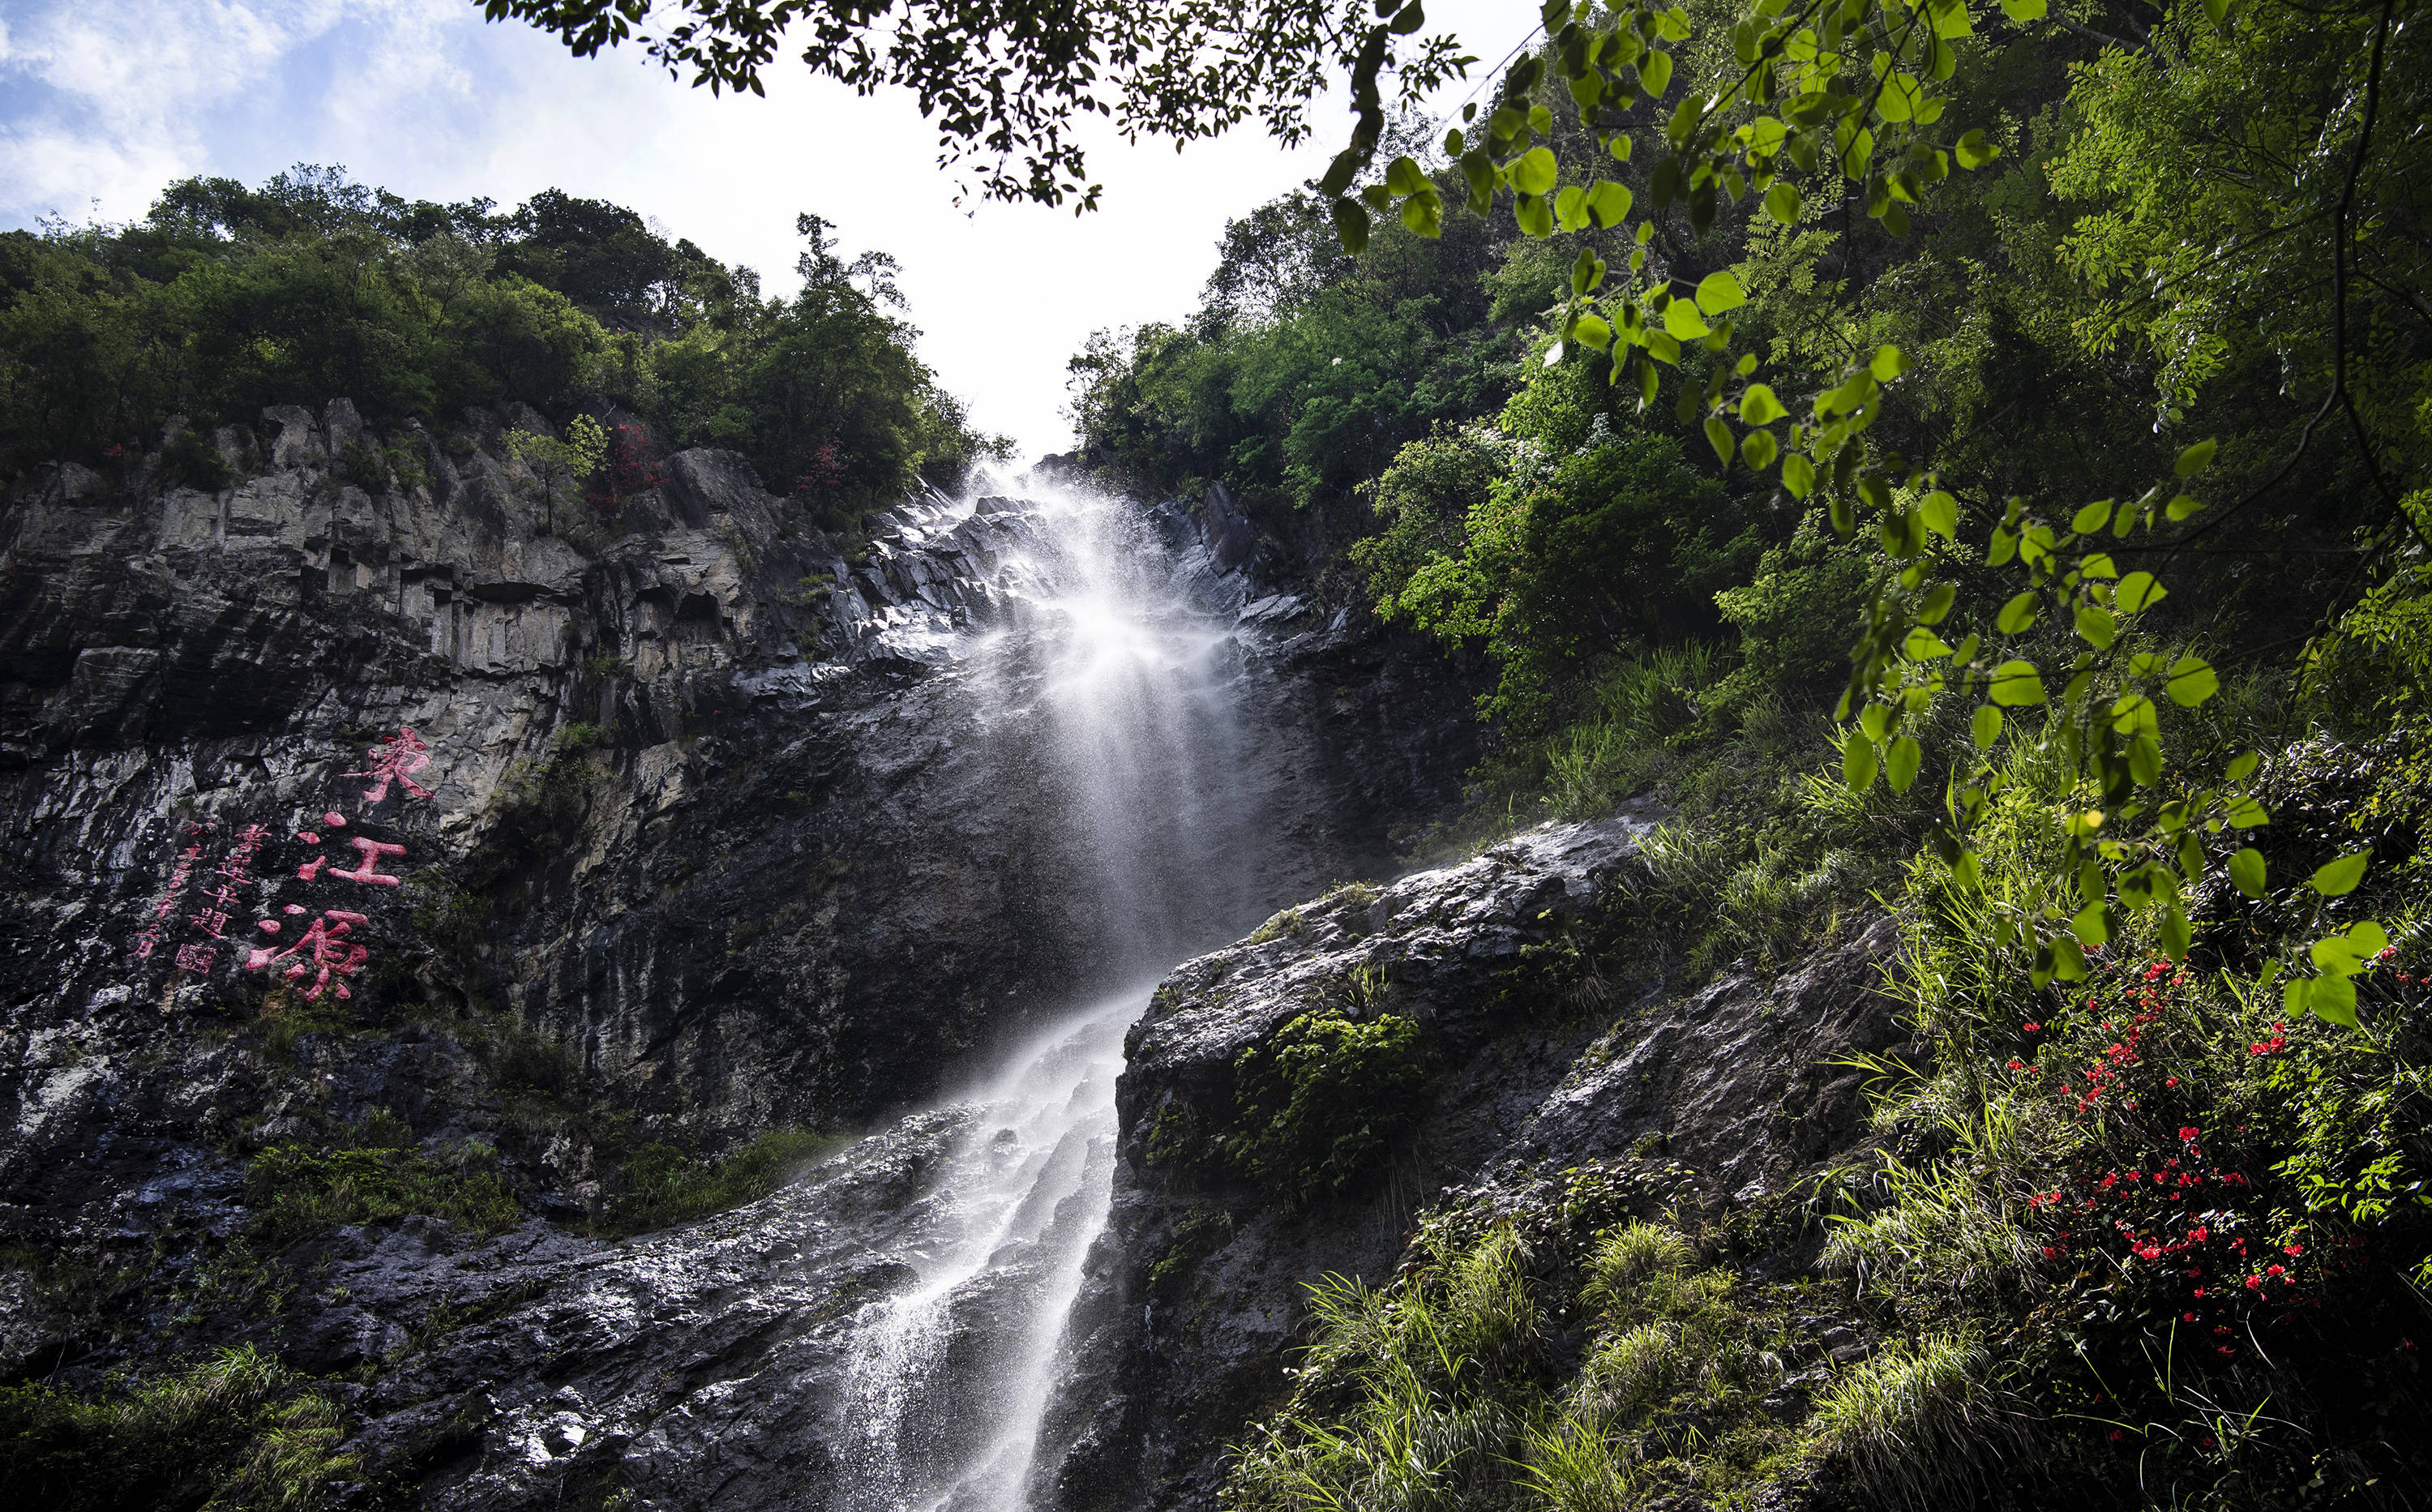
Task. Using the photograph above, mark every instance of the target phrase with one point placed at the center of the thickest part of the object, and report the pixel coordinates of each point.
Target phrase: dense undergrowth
(2155, 1237)
(235, 1432)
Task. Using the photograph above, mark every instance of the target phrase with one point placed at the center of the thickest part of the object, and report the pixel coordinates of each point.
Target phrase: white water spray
(1137, 687)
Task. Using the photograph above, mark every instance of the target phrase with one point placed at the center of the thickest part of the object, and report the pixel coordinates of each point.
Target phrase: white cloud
(422, 96)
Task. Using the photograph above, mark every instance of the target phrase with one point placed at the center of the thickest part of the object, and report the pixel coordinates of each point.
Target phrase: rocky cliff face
(378, 781)
(1533, 1057)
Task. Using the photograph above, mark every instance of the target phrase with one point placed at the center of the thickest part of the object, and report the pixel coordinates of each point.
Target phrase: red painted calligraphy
(396, 758)
(328, 957)
(373, 850)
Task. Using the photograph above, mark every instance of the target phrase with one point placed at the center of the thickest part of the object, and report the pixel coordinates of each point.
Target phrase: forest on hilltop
(223, 298)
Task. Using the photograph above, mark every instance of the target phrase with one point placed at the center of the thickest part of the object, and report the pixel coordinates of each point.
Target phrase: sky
(101, 105)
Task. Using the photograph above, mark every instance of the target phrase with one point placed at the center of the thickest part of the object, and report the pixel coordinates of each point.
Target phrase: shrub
(1320, 1100)
(192, 459)
(1919, 1426)
(372, 1172)
(665, 1186)
(238, 1430)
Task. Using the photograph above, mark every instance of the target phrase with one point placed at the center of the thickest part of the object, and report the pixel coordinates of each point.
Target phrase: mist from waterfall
(1135, 687)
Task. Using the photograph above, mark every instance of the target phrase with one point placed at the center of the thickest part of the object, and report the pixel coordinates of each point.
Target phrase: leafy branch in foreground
(1847, 93)
(1011, 79)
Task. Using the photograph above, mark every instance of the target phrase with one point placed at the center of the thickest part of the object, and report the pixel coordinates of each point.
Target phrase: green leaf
(2068, 962)
(1797, 475)
(2245, 814)
(2137, 592)
(1858, 761)
(1424, 215)
(2181, 507)
(1571, 209)
(1681, 321)
(2248, 872)
(1900, 97)
(2092, 517)
(1759, 407)
(1534, 171)
(1758, 449)
(1655, 74)
(2243, 764)
(1719, 436)
(1941, 513)
(1718, 292)
(2023, 11)
(1587, 271)
(2176, 934)
(2370, 939)
(2096, 626)
(1351, 225)
(1901, 761)
(1592, 331)
(2191, 682)
(1535, 214)
(2217, 9)
(2333, 999)
(1782, 203)
(2015, 684)
(2341, 877)
(1404, 177)
(2089, 925)
(1608, 204)
(1985, 727)
(2017, 614)
(1888, 363)
(1973, 151)
(1924, 645)
(2145, 762)
(2195, 458)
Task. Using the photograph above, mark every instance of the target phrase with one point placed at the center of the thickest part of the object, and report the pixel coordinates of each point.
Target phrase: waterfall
(1135, 688)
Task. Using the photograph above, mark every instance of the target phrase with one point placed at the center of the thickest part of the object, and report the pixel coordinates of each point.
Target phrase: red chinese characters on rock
(328, 957)
(394, 758)
(235, 872)
(366, 868)
(325, 953)
(184, 868)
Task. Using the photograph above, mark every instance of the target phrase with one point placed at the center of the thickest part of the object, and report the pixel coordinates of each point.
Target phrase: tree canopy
(226, 298)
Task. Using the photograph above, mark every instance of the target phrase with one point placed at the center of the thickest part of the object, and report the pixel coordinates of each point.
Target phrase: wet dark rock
(717, 838)
(1181, 1341)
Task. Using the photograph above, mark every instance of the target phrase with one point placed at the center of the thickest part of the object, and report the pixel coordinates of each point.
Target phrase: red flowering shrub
(2172, 1211)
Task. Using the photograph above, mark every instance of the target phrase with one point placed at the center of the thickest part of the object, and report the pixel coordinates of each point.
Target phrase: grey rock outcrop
(710, 827)
(1536, 1066)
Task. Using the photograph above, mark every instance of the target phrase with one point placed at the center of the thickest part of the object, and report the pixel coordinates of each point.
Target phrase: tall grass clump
(237, 1432)
(1919, 1425)
(665, 1186)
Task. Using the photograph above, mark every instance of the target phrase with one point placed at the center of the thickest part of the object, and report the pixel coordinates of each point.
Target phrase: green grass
(370, 1172)
(665, 1186)
(237, 1432)
(1919, 1425)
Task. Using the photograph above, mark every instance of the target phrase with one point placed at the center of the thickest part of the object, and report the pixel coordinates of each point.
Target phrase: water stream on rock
(1136, 687)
